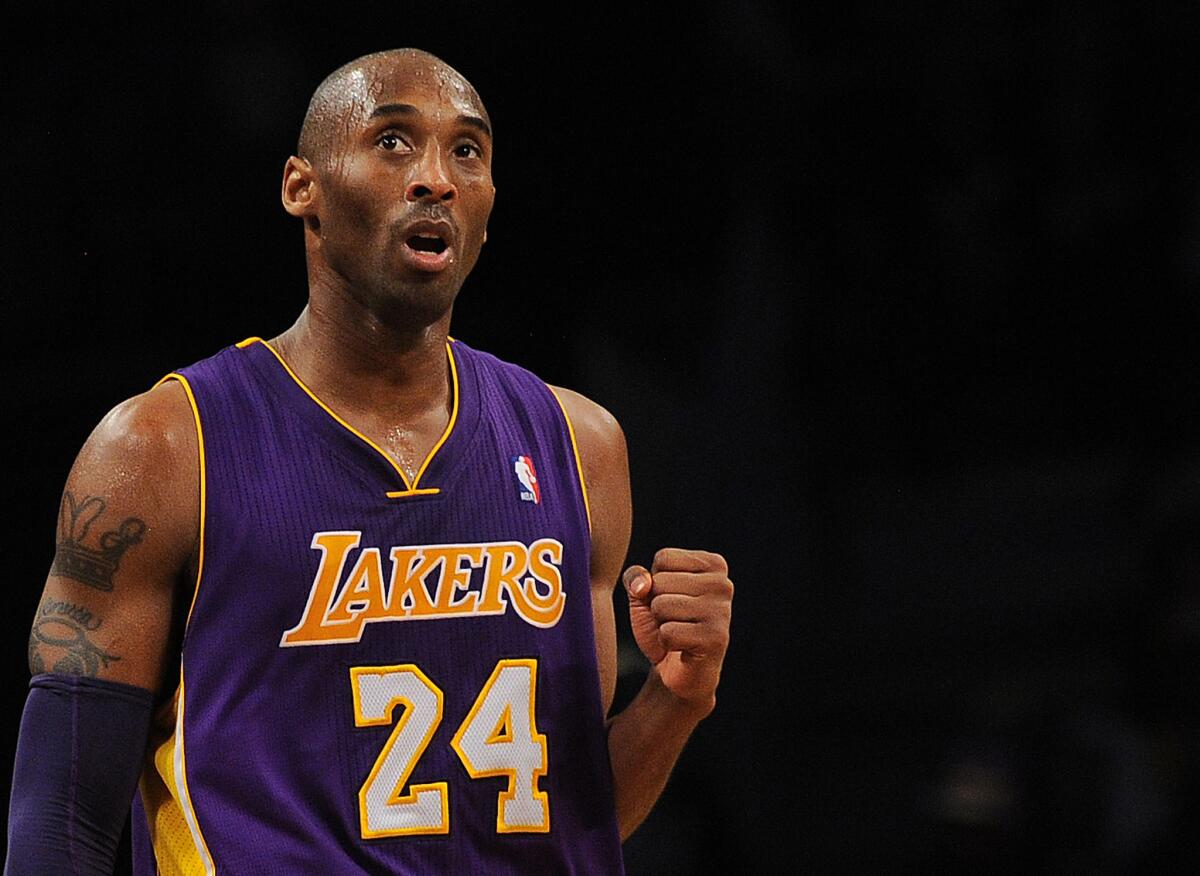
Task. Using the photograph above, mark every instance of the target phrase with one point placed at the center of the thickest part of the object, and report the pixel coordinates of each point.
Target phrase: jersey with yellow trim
(382, 674)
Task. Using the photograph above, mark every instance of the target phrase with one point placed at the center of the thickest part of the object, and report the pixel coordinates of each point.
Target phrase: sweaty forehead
(409, 79)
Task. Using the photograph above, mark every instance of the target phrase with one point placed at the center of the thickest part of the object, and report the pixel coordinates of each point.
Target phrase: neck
(354, 359)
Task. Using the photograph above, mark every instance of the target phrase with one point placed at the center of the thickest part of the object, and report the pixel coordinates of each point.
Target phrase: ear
(299, 193)
(489, 213)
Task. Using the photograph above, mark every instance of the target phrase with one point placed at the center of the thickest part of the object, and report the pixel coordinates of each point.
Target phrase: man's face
(407, 191)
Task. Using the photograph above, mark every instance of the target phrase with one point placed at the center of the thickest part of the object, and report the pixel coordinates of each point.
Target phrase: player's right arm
(102, 644)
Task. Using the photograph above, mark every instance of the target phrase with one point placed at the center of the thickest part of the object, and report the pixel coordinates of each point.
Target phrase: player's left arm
(679, 609)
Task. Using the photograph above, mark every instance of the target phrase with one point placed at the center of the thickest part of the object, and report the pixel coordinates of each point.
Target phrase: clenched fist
(680, 611)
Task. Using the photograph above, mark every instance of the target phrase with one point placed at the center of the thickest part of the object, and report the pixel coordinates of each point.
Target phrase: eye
(468, 150)
(391, 141)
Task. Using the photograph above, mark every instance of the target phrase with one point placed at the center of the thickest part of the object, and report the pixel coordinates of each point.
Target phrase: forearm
(78, 759)
(644, 742)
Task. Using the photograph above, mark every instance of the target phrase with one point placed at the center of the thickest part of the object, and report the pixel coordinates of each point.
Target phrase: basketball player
(341, 602)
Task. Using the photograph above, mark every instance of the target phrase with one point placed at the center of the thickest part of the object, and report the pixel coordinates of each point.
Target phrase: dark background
(897, 305)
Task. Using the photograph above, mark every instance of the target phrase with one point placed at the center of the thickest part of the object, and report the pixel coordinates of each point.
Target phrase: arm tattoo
(64, 626)
(89, 565)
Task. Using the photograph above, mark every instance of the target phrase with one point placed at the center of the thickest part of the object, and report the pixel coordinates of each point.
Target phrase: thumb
(637, 582)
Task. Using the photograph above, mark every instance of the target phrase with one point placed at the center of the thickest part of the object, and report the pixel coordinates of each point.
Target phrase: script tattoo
(64, 626)
(90, 565)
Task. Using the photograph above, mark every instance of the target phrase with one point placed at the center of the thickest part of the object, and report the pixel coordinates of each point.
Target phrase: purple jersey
(380, 676)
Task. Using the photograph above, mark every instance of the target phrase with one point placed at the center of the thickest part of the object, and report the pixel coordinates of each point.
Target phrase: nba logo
(527, 482)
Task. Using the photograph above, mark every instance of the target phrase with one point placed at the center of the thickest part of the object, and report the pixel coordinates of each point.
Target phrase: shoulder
(145, 448)
(163, 419)
(157, 423)
(604, 466)
(598, 435)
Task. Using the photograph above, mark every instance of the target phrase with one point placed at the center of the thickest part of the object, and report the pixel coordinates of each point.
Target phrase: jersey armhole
(575, 450)
(169, 759)
(203, 511)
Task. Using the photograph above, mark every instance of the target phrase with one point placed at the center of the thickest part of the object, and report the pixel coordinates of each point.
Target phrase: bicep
(605, 465)
(124, 536)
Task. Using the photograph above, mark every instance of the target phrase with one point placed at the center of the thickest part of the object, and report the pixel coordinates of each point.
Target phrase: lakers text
(426, 582)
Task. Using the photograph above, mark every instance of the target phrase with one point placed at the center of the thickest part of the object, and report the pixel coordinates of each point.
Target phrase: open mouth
(430, 243)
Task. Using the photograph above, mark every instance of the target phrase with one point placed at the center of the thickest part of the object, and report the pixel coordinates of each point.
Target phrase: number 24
(499, 737)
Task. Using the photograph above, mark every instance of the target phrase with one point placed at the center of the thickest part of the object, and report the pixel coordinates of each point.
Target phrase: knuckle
(719, 614)
(718, 587)
(668, 606)
(716, 635)
(672, 632)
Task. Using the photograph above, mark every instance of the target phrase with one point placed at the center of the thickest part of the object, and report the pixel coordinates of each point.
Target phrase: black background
(897, 305)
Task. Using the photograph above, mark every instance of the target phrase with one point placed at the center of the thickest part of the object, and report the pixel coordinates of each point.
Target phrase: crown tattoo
(76, 560)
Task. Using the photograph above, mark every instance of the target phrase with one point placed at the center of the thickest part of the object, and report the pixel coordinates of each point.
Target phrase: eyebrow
(394, 109)
(475, 122)
(407, 109)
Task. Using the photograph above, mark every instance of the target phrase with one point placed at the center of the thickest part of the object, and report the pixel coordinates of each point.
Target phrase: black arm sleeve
(78, 759)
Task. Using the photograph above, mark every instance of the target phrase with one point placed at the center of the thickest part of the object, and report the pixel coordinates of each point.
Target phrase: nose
(430, 182)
